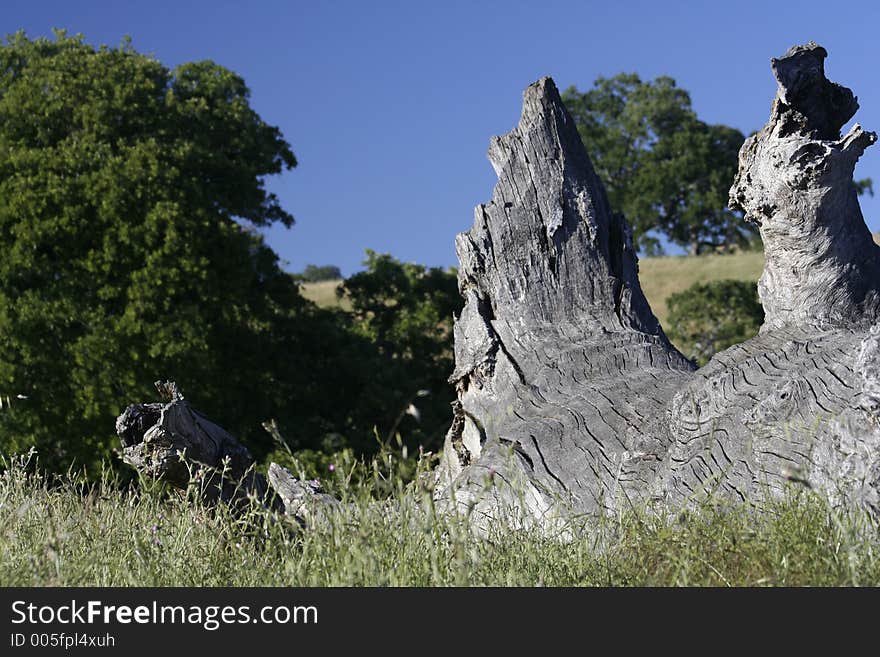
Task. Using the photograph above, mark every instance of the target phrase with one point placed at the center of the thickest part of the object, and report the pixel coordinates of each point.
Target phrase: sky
(389, 106)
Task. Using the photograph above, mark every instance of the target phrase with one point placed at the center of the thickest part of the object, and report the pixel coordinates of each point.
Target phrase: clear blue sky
(389, 106)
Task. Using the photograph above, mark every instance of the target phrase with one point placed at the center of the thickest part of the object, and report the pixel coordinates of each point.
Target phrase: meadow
(660, 277)
(64, 531)
(72, 531)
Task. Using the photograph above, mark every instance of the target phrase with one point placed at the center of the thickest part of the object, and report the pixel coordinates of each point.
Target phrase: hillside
(323, 293)
(660, 277)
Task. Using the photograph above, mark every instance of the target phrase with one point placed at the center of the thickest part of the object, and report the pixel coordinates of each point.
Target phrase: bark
(562, 370)
(795, 182)
(572, 401)
(798, 401)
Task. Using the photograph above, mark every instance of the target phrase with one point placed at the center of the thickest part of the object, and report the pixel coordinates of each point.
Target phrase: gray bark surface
(561, 367)
(170, 440)
(795, 182)
(798, 402)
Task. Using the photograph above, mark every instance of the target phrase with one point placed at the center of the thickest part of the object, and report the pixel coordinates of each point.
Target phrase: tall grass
(65, 531)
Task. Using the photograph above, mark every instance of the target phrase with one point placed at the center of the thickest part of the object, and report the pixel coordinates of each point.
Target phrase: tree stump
(571, 399)
(173, 442)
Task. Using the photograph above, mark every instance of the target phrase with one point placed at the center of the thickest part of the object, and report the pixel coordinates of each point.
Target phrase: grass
(323, 293)
(661, 277)
(64, 531)
(60, 531)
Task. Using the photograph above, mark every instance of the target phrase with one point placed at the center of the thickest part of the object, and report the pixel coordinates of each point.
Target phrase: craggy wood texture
(571, 400)
(173, 442)
(563, 373)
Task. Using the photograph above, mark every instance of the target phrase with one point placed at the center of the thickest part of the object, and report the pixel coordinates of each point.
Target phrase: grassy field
(661, 277)
(66, 531)
(323, 293)
(63, 532)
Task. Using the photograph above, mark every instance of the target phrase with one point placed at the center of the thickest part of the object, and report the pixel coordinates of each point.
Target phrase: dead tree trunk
(563, 372)
(571, 400)
(800, 400)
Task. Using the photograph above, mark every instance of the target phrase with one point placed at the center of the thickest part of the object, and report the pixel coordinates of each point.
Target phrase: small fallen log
(172, 442)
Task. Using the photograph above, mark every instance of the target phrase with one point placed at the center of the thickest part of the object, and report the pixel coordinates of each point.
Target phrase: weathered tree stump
(563, 372)
(571, 400)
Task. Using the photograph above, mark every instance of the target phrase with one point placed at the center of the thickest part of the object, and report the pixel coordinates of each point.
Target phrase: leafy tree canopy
(406, 311)
(317, 273)
(664, 169)
(127, 196)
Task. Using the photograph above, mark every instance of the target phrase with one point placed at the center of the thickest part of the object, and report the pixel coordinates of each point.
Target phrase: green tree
(406, 311)
(710, 317)
(664, 169)
(316, 273)
(129, 194)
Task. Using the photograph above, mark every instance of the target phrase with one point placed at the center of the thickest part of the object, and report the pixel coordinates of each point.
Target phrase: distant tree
(710, 317)
(127, 193)
(406, 311)
(316, 273)
(664, 169)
